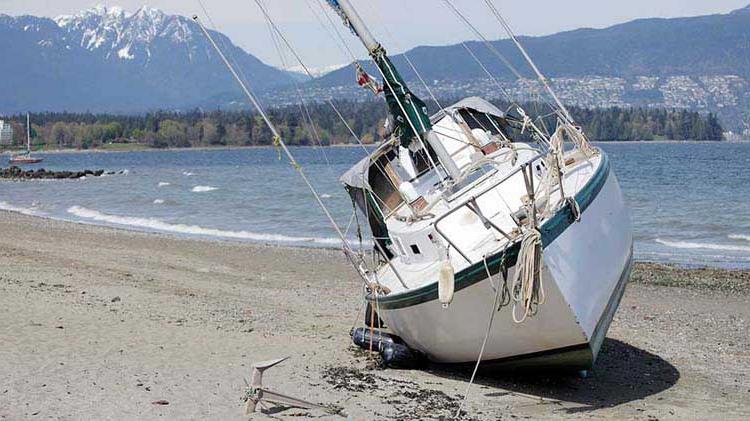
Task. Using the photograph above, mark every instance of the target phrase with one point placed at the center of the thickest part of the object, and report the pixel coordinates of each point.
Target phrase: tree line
(198, 128)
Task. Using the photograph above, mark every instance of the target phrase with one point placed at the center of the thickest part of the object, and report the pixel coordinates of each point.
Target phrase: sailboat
(26, 157)
(493, 240)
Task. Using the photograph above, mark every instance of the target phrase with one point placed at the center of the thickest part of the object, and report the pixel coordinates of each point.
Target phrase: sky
(398, 24)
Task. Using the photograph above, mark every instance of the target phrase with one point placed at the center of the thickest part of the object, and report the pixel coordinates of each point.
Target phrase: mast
(408, 111)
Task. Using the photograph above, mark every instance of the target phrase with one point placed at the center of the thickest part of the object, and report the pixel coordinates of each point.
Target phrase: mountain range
(104, 59)
(108, 60)
(703, 45)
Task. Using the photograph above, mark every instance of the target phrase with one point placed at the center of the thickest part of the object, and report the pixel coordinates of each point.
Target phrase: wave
(187, 173)
(164, 184)
(158, 225)
(740, 237)
(703, 246)
(12, 208)
(203, 189)
(158, 201)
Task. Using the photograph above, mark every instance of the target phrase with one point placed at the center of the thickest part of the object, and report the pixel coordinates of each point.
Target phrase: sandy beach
(98, 323)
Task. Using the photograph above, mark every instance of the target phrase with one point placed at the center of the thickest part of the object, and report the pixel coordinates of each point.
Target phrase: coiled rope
(527, 286)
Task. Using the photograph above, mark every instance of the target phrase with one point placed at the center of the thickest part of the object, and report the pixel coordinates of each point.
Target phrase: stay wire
(304, 110)
(345, 243)
(301, 62)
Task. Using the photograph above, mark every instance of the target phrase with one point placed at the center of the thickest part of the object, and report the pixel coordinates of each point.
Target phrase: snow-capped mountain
(117, 34)
(108, 59)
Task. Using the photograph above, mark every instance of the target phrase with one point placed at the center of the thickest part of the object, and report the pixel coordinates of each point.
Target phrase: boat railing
(470, 203)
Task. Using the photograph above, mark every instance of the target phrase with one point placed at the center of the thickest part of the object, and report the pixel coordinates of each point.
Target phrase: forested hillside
(233, 128)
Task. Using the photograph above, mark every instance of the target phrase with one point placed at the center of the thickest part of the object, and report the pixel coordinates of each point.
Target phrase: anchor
(257, 394)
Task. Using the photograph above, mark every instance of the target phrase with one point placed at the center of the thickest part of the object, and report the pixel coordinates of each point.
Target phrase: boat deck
(466, 230)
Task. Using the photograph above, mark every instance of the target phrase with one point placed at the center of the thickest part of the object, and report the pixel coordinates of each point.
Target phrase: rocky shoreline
(17, 173)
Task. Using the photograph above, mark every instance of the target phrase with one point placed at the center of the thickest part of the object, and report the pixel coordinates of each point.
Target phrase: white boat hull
(586, 267)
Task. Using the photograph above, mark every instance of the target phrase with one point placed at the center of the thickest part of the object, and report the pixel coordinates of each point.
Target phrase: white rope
(527, 287)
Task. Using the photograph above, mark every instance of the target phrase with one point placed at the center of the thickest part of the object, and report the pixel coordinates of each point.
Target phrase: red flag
(366, 81)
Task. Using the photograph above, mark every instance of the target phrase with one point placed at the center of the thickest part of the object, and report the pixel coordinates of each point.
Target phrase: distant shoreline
(197, 148)
(143, 148)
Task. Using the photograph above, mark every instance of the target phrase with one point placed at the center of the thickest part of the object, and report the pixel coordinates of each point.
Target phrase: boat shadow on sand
(622, 374)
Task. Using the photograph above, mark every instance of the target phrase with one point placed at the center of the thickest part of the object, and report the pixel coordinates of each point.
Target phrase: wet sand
(98, 323)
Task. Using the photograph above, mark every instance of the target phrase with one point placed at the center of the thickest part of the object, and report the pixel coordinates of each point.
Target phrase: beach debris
(115, 299)
(257, 394)
(160, 402)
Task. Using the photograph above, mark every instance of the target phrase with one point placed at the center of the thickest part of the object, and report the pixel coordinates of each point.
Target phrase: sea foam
(163, 184)
(158, 225)
(703, 246)
(740, 237)
(203, 189)
(12, 208)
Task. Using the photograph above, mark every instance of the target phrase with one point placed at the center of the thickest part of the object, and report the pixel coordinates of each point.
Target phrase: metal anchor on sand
(257, 394)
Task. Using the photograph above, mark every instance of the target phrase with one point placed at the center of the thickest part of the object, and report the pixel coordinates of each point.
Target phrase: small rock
(115, 300)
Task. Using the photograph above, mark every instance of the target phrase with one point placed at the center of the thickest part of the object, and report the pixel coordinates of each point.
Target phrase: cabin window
(477, 120)
(383, 180)
(415, 249)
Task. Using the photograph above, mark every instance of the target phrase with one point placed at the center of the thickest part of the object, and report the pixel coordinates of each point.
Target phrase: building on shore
(6, 133)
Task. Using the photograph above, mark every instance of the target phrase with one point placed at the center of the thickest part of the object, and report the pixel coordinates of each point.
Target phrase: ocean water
(690, 202)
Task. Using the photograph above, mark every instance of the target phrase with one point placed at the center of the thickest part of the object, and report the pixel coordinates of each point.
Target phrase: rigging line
(271, 22)
(336, 30)
(232, 58)
(536, 70)
(489, 74)
(346, 248)
(345, 49)
(393, 39)
(486, 337)
(304, 110)
(487, 44)
(398, 101)
(483, 38)
(411, 124)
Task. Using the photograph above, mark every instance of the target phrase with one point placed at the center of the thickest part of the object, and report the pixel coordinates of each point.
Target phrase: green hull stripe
(475, 273)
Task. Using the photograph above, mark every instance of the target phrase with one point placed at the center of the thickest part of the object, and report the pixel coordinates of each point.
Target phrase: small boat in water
(493, 241)
(25, 157)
